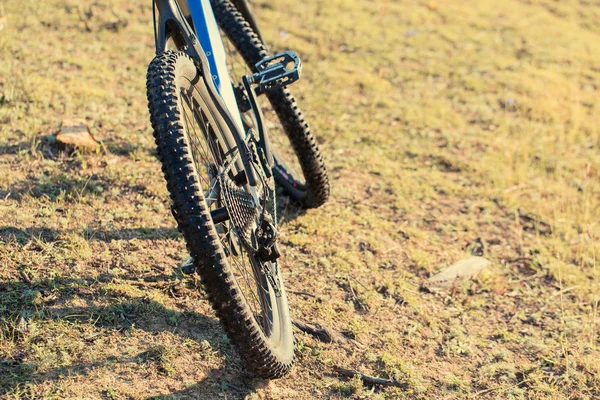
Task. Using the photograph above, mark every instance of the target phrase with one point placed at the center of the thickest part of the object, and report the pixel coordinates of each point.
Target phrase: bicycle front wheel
(196, 149)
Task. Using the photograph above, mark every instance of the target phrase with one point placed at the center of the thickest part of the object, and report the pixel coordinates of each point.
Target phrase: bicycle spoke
(208, 156)
(199, 157)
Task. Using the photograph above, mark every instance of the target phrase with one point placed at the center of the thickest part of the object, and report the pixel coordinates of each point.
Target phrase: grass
(448, 130)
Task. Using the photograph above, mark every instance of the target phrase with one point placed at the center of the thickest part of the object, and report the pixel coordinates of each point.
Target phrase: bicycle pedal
(187, 267)
(276, 71)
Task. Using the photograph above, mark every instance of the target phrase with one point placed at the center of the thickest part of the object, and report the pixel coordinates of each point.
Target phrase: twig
(155, 278)
(115, 25)
(538, 274)
(565, 290)
(25, 277)
(372, 380)
(234, 387)
(503, 389)
(323, 334)
(359, 282)
(302, 292)
(515, 187)
(559, 293)
(84, 19)
(356, 299)
(393, 248)
(92, 337)
(84, 187)
(159, 285)
(542, 227)
(517, 259)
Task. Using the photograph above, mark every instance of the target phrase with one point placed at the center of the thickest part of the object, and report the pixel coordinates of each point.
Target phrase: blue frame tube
(207, 32)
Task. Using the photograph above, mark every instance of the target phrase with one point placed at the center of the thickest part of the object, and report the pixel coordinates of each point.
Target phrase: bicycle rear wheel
(197, 152)
(299, 167)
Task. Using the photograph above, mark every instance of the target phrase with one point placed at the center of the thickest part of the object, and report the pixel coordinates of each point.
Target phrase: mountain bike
(227, 130)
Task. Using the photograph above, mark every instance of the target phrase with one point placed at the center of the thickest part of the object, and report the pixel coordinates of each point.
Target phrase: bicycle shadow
(68, 188)
(49, 235)
(287, 208)
(63, 187)
(117, 319)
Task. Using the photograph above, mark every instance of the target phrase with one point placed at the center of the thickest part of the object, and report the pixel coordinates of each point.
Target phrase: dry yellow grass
(448, 128)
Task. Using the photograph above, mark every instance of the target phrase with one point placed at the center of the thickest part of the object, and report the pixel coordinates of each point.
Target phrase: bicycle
(220, 164)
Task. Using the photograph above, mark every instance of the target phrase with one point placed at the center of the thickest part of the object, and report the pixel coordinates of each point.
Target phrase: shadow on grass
(20, 300)
(23, 236)
(66, 187)
(63, 186)
(126, 149)
(122, 317)
(287, 208)
(59, 185)
(14, 147)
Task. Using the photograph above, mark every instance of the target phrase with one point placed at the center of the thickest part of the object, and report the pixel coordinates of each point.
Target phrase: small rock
(459, 271)
(76, 133)
(22, 325)
(508, 104)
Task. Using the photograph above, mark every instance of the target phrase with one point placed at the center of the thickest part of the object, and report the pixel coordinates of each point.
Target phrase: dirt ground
(449, 128)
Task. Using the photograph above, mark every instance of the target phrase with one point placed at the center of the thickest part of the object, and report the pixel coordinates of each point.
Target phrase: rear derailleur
(266, 237)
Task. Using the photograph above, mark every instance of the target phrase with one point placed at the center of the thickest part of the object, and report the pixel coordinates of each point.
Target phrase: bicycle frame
(206, 30)
(203, 43)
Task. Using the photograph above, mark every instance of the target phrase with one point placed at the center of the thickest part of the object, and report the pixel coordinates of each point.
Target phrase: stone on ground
(76, 133)
(455, 273)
